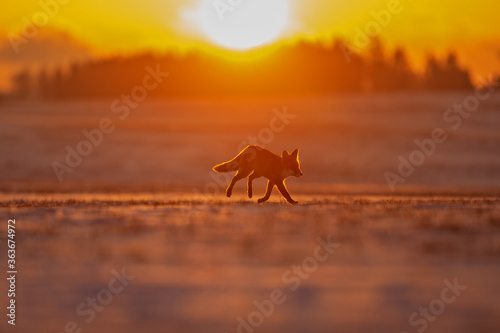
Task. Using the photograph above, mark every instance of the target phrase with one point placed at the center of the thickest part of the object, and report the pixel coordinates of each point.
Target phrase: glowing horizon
(422, 27)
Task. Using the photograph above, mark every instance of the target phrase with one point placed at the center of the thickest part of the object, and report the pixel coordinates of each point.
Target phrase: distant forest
(303, 68)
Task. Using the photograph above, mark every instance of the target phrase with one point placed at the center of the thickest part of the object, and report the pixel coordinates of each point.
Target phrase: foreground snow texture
(139, 236)
(130, 263)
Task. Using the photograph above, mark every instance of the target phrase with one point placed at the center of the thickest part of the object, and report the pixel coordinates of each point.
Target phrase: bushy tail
(228, 166)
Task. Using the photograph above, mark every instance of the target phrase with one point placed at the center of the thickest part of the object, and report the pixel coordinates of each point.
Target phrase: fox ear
(295, 153)
(285, 154)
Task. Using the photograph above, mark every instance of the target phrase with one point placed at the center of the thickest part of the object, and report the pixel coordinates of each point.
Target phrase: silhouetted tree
(457, 78)
(43, 86)
(402, 75)
(379, 71)
(432, 69)
(22, 84)
(376, 51)
(446, 76)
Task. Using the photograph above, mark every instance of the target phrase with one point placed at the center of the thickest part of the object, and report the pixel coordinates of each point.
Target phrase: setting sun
(242, 24)
(250, 166)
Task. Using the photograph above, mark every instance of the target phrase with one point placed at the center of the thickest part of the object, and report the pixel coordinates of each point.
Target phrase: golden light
(242, 24)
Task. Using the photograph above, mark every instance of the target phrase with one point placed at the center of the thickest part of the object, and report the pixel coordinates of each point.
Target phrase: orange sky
(469, 28)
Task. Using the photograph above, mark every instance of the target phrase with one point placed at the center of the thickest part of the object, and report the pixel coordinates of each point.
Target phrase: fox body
(254, 162)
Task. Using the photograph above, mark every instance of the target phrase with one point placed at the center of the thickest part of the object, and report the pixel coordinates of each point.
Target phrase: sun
(242, 24)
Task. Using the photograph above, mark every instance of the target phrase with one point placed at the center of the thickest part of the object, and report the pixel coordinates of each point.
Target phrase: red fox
(254, 162)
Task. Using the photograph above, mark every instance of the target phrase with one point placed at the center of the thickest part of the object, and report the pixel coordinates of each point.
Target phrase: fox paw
(293, 202)
(261, 200)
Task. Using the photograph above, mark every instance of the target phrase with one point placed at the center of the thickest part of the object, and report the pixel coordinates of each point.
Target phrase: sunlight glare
(242, 24)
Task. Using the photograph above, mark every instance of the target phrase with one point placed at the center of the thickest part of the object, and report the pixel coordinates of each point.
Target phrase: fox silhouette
(255, 162)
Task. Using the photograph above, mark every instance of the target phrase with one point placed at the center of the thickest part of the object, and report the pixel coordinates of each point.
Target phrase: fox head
(291, 164)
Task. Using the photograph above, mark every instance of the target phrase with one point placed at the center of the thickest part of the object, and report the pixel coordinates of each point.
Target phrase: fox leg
(284, 192)
(269, 189)
(250, 180)
(239, 176)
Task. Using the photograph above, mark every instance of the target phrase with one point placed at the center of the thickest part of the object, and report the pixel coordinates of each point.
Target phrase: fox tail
(228, 166)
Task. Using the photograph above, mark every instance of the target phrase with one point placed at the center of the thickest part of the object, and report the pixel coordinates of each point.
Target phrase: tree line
(303, 68)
